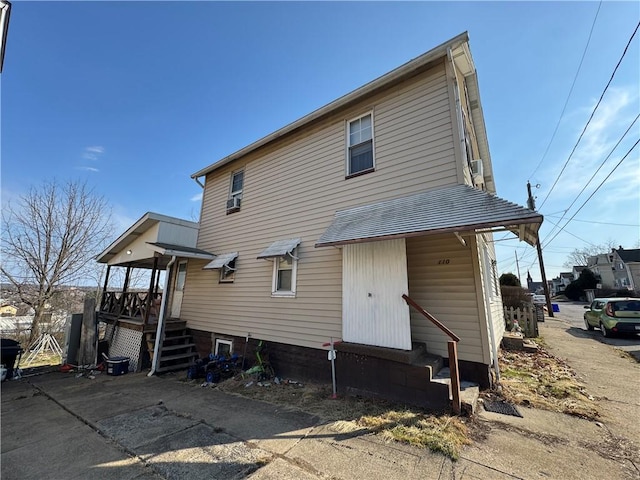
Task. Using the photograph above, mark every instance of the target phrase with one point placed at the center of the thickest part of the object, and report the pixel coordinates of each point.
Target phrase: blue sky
(134, 97)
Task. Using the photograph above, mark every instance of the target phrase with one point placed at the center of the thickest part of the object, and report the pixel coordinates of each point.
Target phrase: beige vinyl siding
(447, 291)
(293, 190)
(139, 248)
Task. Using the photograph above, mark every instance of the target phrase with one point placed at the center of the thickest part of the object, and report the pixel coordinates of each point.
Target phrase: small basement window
(224, 347)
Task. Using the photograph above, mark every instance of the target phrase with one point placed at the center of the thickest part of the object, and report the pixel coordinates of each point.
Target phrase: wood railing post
(103, 297)
(452, 346)
(455, 376)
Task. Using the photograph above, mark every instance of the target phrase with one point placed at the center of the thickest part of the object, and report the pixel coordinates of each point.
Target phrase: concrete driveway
(134, 427)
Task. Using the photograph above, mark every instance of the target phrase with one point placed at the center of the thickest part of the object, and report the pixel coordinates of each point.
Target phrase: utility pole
(531, 203)
(518, 266)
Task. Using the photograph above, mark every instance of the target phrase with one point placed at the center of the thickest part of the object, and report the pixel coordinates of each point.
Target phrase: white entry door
(374, 277)
(178, 289)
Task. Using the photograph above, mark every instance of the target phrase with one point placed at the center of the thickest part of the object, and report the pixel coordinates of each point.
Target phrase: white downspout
(163, 303)
(494, 348)
(487, 309)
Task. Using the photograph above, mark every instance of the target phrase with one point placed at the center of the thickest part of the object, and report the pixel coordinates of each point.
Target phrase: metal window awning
(280, 248)
(454, 209)
(221, 261)
(180, 251)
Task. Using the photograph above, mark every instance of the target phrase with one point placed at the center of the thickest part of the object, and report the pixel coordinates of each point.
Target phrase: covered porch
(415, 264)
(140, 321)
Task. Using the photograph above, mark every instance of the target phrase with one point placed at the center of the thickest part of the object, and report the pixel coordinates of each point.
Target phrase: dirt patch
(441, 433)
(541, 380)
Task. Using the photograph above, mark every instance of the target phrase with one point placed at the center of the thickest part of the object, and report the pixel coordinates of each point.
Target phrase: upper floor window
(235, 191)
(360, 157)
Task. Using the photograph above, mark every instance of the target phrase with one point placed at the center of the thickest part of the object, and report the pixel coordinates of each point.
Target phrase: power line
(573, 235)
(598, 223)
(592, 114)
(553, 136)
(598, 188)
(596, 172)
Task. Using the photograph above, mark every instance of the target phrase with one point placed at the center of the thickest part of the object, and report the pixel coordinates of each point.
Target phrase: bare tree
(580, 256)
(50, 238)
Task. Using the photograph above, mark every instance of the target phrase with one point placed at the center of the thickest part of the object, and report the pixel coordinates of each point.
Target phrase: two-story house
(626, 268)
(601, 266)
(327, 228)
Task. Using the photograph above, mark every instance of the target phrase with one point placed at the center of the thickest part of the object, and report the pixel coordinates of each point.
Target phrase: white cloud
(197, 198)
(89, 169)
(92, 153)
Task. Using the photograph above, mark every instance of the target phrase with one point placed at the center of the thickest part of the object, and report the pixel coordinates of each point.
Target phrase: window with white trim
(360, 158)
(228, 272)
(235, 191)
(224, 347)
(284, 275)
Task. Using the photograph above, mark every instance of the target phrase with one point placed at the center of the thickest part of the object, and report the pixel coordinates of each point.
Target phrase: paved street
(573, 312)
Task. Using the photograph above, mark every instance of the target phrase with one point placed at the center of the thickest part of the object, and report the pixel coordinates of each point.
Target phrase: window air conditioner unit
(477, 173)
(233, 203)
(476, 167)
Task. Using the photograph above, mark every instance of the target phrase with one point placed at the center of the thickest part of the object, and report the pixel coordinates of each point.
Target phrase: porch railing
(452, 346)
(131, 305)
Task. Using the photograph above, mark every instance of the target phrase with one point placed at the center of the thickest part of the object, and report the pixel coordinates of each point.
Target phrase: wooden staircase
(178, 351)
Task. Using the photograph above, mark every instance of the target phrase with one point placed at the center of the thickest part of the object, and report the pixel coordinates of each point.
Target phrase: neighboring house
(565, 279)
(561, 282)
(626, 268)
(601, 266)
(576, 271)
(534, 287)
(17, 324)
(8, 311)
(321, 227)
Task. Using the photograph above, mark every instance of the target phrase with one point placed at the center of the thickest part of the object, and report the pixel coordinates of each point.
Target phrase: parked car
(539, 299)
(613, 315)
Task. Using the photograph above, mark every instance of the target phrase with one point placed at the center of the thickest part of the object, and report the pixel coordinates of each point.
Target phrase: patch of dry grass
(440, 433)
(541, 380)
(41, 360)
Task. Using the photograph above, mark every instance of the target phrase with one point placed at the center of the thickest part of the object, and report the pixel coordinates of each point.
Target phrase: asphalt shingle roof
(451, 209)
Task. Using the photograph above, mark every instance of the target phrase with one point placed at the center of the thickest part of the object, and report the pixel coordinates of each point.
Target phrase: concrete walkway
(134, 427)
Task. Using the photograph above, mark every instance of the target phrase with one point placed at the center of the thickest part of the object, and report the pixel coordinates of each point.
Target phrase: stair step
(171, 338)
(175, 326)
(178, 366)
(176, 347)
(469, 391)
(179, 356)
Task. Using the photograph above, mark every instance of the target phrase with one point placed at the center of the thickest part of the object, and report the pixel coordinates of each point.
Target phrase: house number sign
(444, 261)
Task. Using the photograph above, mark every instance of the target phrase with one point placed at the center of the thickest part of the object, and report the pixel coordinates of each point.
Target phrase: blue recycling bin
(555, 307)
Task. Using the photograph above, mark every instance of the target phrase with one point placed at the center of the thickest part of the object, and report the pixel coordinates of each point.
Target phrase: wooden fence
(527, 317)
